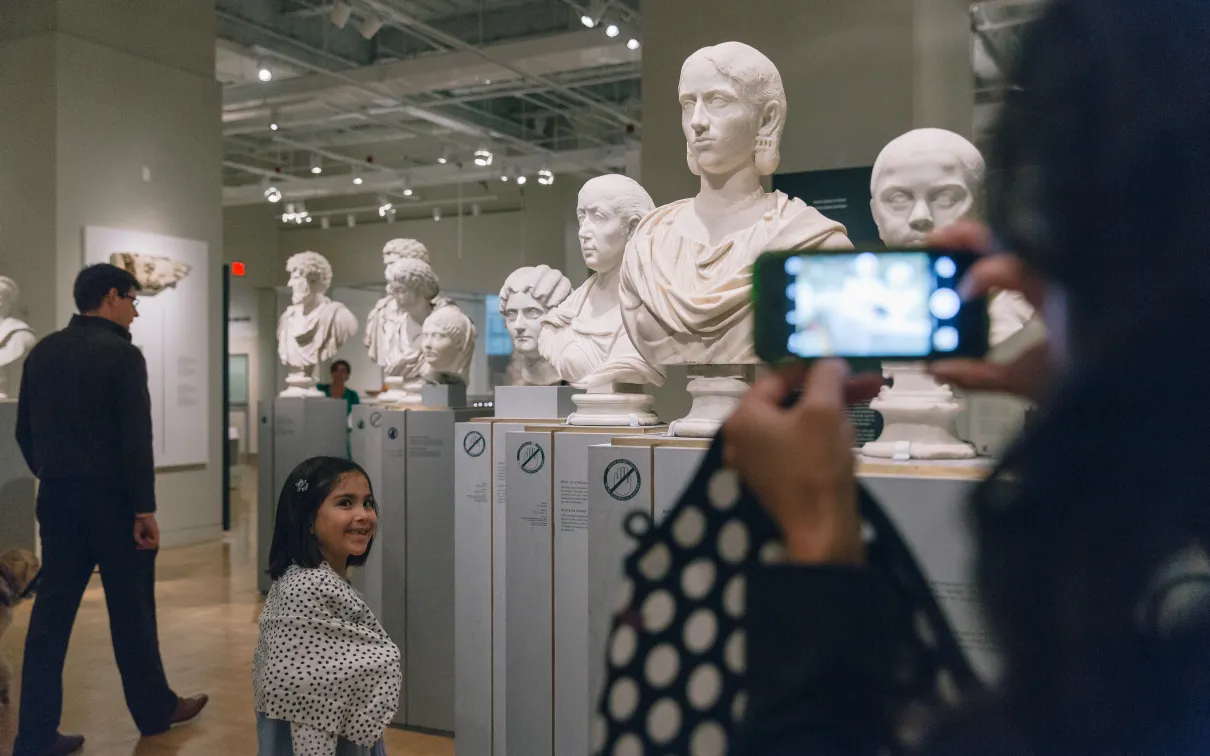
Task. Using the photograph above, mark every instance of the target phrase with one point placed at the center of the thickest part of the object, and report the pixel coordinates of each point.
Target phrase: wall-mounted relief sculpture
(153, 272)
(585, 338)
(313, 327)
(16, 337)
(528, 294)
(924, 180)
(448, 344)
(686, 279)
(394, 326)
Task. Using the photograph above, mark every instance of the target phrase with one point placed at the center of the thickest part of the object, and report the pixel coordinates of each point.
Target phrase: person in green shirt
(338, 390)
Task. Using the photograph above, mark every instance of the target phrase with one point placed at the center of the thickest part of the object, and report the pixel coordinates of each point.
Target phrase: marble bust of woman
(448, 344)
(394, 327)
(686, 281)
(528, 294)
(16, 337)
(584, 338)
(313, 328)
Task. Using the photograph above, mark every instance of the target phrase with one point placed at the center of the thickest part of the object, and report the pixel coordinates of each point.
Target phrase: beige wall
(93, 113)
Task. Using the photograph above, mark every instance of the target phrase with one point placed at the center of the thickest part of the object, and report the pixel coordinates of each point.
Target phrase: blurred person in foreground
(84, 427)
(1092, 537)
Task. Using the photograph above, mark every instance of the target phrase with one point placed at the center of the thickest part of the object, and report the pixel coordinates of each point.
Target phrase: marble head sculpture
(394, 326)
(399, 249)
(585, 338)
(313, 327)
(16, 338)
(527, 295)
(687, 275)
(448, 344)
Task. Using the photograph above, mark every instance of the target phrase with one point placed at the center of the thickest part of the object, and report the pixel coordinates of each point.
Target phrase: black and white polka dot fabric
(677, 653)
(324, 663)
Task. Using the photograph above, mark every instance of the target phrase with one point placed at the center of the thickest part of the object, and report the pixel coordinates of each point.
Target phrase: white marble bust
(686, 286)
(923, 180)
(394, 327)
(448, 344)
(527, 295)
(16, 338)
(313, 327)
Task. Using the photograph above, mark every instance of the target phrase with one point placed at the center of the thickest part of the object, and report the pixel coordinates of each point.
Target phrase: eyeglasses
(134, 302)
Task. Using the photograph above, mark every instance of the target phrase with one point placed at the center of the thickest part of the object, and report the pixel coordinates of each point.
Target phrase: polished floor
(208, 607)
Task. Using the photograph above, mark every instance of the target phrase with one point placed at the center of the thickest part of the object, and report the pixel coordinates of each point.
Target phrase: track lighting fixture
(633, 44)
(483, 157)
(316, 165)
(612, 31)
(545, 177)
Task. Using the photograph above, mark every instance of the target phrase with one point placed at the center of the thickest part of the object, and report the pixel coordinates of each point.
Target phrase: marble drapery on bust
(16, 337)
(313, 328)
(528, 294)
(686, 284)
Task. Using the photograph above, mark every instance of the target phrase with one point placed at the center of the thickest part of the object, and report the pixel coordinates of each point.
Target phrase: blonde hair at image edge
(757, 78)
(453, 322)
(314, 266)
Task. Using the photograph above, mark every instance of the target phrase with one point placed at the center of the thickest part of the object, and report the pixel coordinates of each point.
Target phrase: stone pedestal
(716, 391)
(919, 417)
(618, 404)
(293, 429)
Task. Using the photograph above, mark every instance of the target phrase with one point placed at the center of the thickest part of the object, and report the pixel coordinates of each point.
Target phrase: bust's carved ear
(772, 118)
(632, 226)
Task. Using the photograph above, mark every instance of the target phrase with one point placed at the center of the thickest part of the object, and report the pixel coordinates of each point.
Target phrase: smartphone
(883, 305)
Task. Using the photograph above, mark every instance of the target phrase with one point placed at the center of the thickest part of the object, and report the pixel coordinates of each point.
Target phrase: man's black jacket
(85, 411)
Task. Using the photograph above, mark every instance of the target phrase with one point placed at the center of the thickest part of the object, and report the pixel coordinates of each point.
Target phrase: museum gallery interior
(539, 278)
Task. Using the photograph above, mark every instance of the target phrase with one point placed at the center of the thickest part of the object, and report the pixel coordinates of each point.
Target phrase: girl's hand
(798, 460)
(1027, 376)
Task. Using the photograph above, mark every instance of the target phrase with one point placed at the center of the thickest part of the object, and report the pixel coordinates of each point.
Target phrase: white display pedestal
(547, 544)
(293, 429)
(479, 573)
(18, 487)
(628, 474)
(928, 503)
(409, 577)
(444, 395)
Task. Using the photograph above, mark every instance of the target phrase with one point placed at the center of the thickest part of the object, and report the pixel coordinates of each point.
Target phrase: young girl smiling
(325, 674)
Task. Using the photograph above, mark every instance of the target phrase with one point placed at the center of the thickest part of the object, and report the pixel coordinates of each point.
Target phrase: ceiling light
(408, 192)
(504, 176)
(340, 14)
(370, 26)
(296, 212)
(633, 44)
(262, 71)
(445, 157)
(545, 177)
(588, 20)
(273, 126)
(483, 157)
(612, 30)
(273, 194)
(521, 179)
(436, 213)
(357, 180)
(385, 208)
(316, 165)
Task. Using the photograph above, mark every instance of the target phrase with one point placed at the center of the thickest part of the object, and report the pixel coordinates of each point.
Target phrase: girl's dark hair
(305, 490)
(340, 363)
(1100, 177)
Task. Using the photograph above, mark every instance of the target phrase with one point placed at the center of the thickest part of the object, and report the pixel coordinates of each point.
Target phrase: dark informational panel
(842, 195)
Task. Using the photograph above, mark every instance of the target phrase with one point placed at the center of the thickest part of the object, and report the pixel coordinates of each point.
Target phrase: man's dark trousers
(83, 524)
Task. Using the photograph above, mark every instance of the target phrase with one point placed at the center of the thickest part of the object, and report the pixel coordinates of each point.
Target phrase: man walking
(84, 426)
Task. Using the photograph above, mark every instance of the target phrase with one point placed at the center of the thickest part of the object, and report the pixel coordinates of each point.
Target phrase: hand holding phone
(885, 305)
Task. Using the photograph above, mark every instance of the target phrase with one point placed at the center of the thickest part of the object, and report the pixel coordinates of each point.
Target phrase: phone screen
(897, 304)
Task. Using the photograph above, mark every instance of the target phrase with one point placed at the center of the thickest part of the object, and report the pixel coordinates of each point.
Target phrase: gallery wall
(115, 128)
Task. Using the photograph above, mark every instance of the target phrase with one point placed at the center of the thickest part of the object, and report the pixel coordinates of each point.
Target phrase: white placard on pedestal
(17, 487)
(293, 429)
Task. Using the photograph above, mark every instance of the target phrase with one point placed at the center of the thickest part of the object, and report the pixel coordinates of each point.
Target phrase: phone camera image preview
(869, 305)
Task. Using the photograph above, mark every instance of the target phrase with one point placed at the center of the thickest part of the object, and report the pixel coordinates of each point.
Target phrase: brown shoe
(188, 708)
(65, 745)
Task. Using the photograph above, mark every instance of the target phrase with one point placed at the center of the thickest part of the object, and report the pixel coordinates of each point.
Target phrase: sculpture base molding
(716, 391)
(919, 417)
(615, 404)
(400, 393)
(300, 386)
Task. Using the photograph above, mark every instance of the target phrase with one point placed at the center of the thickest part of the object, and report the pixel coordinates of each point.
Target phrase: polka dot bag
(677, 653)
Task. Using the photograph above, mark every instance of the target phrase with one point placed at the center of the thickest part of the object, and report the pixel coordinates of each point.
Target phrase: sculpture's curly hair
(546, 285)
(314, 266)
